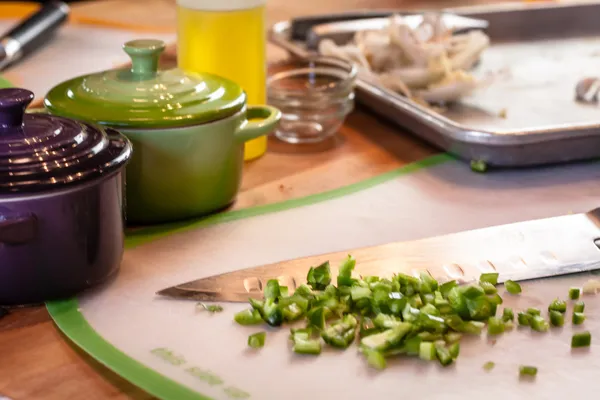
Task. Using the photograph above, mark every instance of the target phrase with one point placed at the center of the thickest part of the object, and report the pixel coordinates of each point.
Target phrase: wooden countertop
(37, 362)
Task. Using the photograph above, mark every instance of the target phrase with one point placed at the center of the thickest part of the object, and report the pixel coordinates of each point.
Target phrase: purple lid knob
(13, 102)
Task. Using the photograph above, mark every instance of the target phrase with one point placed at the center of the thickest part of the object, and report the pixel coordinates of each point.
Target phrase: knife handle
(35, 29)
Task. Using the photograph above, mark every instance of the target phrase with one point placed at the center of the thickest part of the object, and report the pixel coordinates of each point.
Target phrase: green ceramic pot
(188, 132)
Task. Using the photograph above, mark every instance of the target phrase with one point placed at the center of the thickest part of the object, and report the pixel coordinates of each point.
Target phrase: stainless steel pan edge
(547, 145)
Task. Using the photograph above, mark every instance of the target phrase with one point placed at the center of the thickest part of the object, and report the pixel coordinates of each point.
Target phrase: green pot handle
(268, 118)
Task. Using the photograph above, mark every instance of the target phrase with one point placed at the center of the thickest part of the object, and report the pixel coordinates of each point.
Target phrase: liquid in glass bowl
(314, 97)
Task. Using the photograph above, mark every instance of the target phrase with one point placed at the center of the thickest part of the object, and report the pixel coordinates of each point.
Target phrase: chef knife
(520, 251)
(32, 32)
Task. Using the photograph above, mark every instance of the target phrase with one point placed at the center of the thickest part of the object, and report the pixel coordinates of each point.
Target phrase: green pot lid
(145, 97)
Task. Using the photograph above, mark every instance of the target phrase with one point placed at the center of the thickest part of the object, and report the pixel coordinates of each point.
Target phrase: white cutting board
(442, 199)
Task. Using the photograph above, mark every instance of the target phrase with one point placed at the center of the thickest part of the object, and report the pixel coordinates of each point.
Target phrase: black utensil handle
(38, 26)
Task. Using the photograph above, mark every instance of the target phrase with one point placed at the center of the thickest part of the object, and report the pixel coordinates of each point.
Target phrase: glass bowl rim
(349, 68)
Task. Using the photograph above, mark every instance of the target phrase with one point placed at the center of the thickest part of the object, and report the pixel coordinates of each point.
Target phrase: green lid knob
(144, 54)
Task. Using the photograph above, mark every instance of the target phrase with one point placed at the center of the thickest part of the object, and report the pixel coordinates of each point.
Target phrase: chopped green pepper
(452, 337)
(472, 291)
(527, 370)
(272, 290)
(581, 339)
(410, 314)
(473, 327)
(508, 315)
(384, 321)
(257, 340)
(317, 316)
(375, 359)
(359, 292)
(345, 272)
(574, 293)
(319, 277)
(443, 355)
(458, 302)
(480, 308)
(341, 334)
(271, 313)
(495, 299)
(512, 287)
(388, 338)
(524, 319)
(558, 305)
(430, 309)
(430, 337)
(412, 345)
(427, 351)
(534, 311)
(578, 318)
(459, 325)
(401, 315)
(309, 346)
(478, 166)
(213, 308)
(495, 326)
(454, 350)
(488, 366)
(367, 327)
(446, 287)
(556, 318)
(488, 288)
(508, 325)
(248, 317)
(292, 312)
(427, 283)
(304, 291)
(490, 277)
(539, 324)
(301, 333)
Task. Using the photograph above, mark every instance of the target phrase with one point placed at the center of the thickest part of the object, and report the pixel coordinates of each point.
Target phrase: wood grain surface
(37, 362)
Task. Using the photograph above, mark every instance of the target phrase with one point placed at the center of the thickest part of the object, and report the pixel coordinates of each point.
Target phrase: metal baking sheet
(537, 55)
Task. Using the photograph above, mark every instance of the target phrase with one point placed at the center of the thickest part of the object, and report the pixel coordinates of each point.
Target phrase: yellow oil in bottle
(226, 38)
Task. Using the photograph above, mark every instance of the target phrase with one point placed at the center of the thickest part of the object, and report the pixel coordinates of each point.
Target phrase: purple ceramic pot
(61, 203)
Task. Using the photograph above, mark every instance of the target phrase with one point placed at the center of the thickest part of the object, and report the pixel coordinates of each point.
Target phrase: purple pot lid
(39, 152)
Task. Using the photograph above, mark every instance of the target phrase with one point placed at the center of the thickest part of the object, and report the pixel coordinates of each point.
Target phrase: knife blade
(31, 32)
(520, 251)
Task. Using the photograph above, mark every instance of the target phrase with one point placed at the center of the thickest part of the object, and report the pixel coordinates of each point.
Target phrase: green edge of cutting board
(4, 83)
(73, 324)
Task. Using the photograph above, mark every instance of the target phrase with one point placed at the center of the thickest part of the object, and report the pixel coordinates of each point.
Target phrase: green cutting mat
(4, 83)
(67, 316)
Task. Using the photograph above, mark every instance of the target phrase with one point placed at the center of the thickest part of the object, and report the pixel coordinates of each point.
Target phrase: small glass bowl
(314, 97)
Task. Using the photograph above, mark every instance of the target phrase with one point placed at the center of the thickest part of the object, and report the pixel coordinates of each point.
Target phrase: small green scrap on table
(212, 308)
(527, 370)
(479, 166)
(582, 339)
(257, 340)
(403, 316)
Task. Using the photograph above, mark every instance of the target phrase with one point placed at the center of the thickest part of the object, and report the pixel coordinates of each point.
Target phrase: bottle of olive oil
(226, 38)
